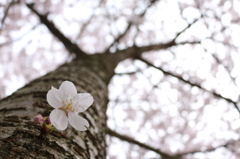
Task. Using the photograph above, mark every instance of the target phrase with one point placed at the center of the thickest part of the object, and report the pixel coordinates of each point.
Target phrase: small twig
(132, 141)
(189, 25)
(84, 26)
(6, 13)
(120, 36)
(225, 67)
(19, 38)
(117, 39)
(197, 151)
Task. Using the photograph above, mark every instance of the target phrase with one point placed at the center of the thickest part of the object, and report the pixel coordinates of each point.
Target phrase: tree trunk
(21, 138)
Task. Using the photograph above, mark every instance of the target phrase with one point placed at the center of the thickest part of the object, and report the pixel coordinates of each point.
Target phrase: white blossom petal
(59, 119)
(77, 121)
(82, 101)
(54, 98)
(68, 90)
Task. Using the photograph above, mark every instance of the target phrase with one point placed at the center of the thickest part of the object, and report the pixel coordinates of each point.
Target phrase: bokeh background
(182, 100)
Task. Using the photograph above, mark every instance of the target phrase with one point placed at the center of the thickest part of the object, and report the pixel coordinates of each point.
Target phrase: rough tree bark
(21, 138)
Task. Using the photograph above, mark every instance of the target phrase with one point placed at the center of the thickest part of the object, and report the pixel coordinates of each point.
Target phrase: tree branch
(132, 141)
(84, 26)
(20, 37)
(135, 51)
(128, 73)
(225, 67)
(71, 47)
(188, 82)
(120, 36)
(6, 12)
(189, 25)
(197, 151)
(156, 47)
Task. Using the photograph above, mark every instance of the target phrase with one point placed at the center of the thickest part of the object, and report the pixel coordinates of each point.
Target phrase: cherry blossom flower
(67, 103)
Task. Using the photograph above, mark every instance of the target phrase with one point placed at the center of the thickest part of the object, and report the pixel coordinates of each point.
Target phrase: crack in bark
(12, 109)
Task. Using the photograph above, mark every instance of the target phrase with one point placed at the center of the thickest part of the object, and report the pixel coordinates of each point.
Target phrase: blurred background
(182, 100)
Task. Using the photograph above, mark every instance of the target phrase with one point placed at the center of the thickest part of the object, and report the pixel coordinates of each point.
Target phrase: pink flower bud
(38, 119)
(48, 120)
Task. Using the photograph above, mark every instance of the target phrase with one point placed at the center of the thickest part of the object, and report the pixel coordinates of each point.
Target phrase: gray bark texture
(21, 138)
